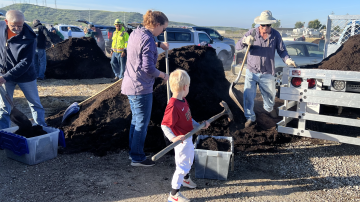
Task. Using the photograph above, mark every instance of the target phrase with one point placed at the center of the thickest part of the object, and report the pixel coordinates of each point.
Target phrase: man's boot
(248, 123)
(273, 113)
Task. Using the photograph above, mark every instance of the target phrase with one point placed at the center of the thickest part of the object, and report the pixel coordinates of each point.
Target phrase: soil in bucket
(36, 130)
(103, 123)
(214, 144)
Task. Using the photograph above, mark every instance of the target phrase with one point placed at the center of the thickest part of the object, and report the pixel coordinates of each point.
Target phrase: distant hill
(65, 16)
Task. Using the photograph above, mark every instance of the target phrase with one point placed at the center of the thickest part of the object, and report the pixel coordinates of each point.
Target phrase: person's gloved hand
(249, 40)
(290, 62)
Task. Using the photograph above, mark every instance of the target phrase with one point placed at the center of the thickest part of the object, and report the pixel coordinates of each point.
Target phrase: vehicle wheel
(278, 76)
(223, 57)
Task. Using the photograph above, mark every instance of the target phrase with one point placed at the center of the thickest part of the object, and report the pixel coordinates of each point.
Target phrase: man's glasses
(268, 25)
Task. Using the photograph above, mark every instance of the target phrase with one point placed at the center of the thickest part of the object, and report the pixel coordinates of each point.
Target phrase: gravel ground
(308, 170)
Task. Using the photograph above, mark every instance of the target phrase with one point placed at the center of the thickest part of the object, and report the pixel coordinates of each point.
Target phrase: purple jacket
(262, 52)
(140, 71)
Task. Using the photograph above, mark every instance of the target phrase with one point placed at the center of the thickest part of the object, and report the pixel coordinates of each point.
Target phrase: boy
(176, 123)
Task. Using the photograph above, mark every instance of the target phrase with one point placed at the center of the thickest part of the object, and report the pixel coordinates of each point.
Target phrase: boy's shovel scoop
(195, 130)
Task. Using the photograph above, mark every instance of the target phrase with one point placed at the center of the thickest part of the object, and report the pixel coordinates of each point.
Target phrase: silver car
(303, 53)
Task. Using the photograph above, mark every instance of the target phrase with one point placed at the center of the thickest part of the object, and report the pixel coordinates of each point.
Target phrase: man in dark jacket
(40, 60)
(17, 50)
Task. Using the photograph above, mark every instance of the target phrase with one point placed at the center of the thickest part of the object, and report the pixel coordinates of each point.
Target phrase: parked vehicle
(76, 31)
(303, 53)
(178, 37)
(217, 37)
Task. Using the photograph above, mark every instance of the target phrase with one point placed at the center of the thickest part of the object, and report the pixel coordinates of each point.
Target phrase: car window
(179, 36)
(296, 50)
(65, 29)
(104, 33)
(314, 51)
(75, 29)
(213, 34)
(204, 37)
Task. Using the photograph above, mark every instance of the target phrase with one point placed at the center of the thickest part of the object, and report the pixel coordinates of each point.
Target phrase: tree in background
(253, 25)
(314, 24)
(337, 28)
(299, 24)
(56, 23)
(276, 25)
(323, 27)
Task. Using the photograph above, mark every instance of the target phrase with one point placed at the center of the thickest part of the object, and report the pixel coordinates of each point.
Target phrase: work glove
(290, 62)
(249, 40)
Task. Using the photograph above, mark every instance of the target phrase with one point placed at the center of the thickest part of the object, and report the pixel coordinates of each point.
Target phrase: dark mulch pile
(346, 58)
(77, 58)
(214, 144)
(103, 122)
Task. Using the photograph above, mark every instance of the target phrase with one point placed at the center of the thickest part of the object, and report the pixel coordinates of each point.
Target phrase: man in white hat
(260, 64)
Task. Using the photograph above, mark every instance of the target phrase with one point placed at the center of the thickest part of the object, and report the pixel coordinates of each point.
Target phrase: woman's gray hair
(15, 16)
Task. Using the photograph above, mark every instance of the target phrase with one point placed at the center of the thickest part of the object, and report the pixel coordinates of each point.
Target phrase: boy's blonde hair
(178, 79)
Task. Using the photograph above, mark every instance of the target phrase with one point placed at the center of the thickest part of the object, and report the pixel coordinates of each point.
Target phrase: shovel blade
(20, 119)
(234, 97)
(72, 109)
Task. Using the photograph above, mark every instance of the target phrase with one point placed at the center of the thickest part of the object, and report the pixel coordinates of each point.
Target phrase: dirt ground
(307, 170)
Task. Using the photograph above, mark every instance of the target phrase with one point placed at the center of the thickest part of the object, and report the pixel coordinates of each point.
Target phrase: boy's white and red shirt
(177, 117)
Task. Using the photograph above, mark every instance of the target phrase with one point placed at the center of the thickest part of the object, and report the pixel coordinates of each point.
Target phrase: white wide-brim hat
(265, 18)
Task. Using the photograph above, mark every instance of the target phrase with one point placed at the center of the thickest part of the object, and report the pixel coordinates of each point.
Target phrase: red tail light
(311, 83)
(296, 81)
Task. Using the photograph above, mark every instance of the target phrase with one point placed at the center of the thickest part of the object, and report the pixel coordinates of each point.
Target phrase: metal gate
(338, 29)
(307, 101)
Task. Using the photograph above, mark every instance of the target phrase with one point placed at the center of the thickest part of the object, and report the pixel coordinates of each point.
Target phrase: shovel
(75, 107)
(167, 69)
(17, 116)
(231, 92)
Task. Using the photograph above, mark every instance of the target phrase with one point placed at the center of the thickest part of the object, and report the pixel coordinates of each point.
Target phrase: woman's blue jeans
(141, 111)
(266, 84)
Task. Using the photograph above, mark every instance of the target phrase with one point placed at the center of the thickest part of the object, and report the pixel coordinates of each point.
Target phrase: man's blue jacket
(20, 50)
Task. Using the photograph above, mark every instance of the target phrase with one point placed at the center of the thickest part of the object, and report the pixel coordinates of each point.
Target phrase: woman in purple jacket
(139, 78)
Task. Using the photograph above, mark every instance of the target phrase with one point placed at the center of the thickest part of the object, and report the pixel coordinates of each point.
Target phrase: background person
(17, 66)
(99, 38)
(69, 33)
(139, 78)
(40, 61)
(58, 33)
(177, 122)
(118, 50)
(260, 67)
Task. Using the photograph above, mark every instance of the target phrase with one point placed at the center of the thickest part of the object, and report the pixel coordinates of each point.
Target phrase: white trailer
(331, 88)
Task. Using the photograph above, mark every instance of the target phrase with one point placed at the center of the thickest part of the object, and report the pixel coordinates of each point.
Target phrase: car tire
(223, 57)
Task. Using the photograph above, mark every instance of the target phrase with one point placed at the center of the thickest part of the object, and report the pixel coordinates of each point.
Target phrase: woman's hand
(164, 76)
(164, 45)
(177, 138)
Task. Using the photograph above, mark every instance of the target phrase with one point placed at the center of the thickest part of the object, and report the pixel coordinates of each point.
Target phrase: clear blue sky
(236, 13)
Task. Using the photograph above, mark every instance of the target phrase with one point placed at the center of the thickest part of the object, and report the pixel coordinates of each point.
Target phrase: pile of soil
(214, 144)
(77, 58)
(102, 125)
(346, 58)
(36, 130)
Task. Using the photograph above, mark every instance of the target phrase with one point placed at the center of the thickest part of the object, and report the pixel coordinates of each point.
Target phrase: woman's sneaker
(189, 183)
(177, 198)
(145, 163)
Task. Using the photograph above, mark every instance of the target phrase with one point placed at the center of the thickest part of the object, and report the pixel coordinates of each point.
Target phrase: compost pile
(346, 58)
(77, 58)
(103, 123)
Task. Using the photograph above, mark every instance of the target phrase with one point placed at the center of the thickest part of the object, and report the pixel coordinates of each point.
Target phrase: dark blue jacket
(19, 65)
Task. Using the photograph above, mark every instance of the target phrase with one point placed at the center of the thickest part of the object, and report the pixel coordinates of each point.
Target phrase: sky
(226, 13)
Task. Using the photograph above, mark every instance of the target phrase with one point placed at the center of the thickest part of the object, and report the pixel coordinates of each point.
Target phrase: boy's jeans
(118, 64)
(31, 94)
(40, 63)
(141, 111)
(266, 84)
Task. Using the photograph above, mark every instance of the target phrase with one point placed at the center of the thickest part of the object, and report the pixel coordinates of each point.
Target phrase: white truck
(178, 37)
(307, 89)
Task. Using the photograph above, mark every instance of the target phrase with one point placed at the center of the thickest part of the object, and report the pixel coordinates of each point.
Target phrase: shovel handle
(243, 63)
(7, 96)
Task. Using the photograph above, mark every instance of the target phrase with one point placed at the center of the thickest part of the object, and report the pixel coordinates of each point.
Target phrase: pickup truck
(178, 37)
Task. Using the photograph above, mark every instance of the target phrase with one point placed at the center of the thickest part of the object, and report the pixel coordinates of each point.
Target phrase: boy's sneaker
(145, 163)
(148, 155)
(189, 183)
(177, 198)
